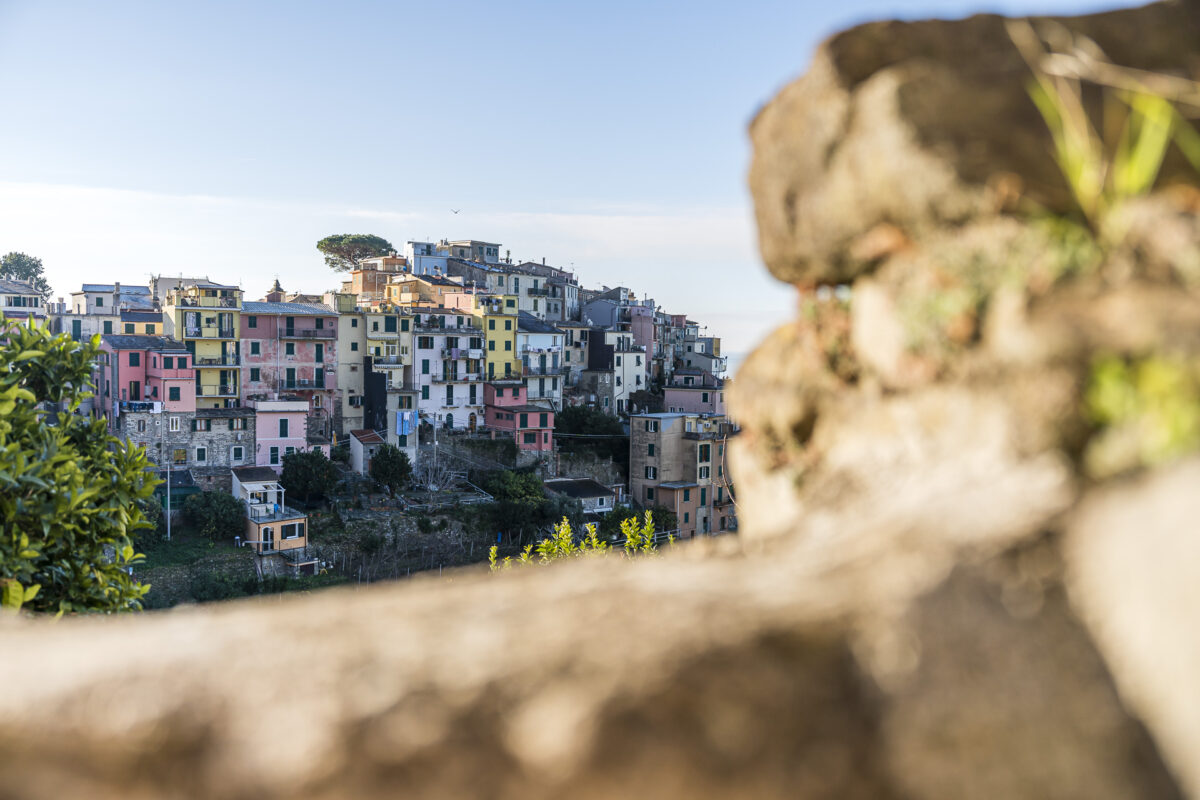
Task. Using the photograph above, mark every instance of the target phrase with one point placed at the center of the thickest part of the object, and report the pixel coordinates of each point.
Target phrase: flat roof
(256, 474)
(138, 341)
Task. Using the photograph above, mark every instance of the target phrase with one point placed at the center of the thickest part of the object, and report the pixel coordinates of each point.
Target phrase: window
(703, 452)
(251, 322)
(389, 324)
(542, 420)
(107, 326)
(618, 361)
(135, 359)
(237, 424)
(652, 425)
(649, 492)
(183, 363)
(179, 456)
(491, 324)
(703, 496)
(530, 438)
(524, 420)
(141, 426)
(703, 473)
(510, 303)
(424, 366)
(274, 456)
(354, 347)
(353, 323)
(650, 449)
(507, 345)
(508, 324)
(704, 397)
(289, 349)
(255, 374)
(168, 362)
(449, 395)
(99, 302)
(374, 325)
(686, 516)
(491, 346)
(294, 530)
(320, 323)
(129, 327)
(651, 473)
(201, 455)
(254, 348)
(173, 394)
(173, 424)
(289, 451)
(150, 329)
(424, 392)
(283, 429)
(238, 453)
(404, 324)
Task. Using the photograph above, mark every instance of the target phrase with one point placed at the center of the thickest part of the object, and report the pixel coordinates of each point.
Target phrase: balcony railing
(141, 406)
(456, 377)
(462, 352)
(308, 333)
(302, 383)
(528, 348)
(217, 361)
(268, 512)
(216, 391)
(545, 371)
(208, 332)
(542, 292)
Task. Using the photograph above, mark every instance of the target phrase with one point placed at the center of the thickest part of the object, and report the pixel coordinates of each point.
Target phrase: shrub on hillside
(215, 515)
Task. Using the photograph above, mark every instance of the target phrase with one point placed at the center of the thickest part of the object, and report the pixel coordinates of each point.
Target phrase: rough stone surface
(922, 124)
(933, 595)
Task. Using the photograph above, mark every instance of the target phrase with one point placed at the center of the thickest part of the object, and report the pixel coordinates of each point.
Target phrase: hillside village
(445, 344)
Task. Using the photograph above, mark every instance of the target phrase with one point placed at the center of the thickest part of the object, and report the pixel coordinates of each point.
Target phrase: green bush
(216, 515)
(637, 540)
(70, 494)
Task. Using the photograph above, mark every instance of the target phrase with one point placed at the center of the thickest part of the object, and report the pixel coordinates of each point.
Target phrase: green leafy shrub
(638, 541)
(70, 494)
(216, 515)
(391, 468)
(309, 475)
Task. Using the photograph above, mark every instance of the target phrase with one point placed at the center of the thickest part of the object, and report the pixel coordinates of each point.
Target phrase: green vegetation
(309, 475)
(346, 251)
(23, 267)
(638, 541)
(521, 506)
(390, 468)
(1146, 411)
(611, 442)
(1101, 174)
(70, 494)
(216, 515)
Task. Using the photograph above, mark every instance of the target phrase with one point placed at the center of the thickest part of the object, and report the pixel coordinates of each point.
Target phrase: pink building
(641, 326)
(138, 371)
(282, 428)
(507, 413)
(292, 348)
(694, 391)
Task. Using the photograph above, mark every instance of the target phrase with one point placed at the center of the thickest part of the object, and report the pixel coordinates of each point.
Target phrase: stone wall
(956, 577)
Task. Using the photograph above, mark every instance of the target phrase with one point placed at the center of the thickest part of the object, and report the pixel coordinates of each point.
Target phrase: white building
(364, 444)
(540, 346)
(19, 300)
(448, 367)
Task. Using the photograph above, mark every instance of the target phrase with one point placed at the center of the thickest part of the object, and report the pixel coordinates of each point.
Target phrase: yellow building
(206, 317)
(140, 323)
(422, 290)
(496, 314)
(389, 341)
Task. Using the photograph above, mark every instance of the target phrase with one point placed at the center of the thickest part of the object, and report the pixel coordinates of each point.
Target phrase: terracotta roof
(367, 436)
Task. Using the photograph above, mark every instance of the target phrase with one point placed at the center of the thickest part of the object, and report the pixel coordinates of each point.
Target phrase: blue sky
(226, 138)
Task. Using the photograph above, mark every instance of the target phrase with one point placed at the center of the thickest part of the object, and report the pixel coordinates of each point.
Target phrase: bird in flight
(455, 210)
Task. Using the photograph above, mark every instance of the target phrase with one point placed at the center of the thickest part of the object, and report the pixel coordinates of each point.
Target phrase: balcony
(216, 361)
(216, 391)
(301, 384)
(462, 352)
(403, 386)
(456, 377)
(528, 348)
(208, 332)
(388, 361)
(308, 333)
(542, 292)
(545, 371)
(207, 302)
(141, 406)
(273, 512)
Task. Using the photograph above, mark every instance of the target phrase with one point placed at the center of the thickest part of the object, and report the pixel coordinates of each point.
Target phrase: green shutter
(231, 423)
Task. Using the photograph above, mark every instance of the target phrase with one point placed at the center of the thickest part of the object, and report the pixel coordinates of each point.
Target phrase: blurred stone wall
(961, 573)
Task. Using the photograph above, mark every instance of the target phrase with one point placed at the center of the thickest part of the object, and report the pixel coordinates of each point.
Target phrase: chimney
(116, 295)
(543, 261)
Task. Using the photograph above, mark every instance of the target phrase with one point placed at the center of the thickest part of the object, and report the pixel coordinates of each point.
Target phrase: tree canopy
(216, 515)
(310, 475)
(24, 267)
(70, 494)
(612, 441)
(346, 251)
(391, 468)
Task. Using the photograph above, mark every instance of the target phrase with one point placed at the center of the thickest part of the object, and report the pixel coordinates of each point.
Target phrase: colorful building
(205, 316)
(509, 414)
(285, 425)
(694, 391)
(271, 527)
(448, 367)
(291, 348)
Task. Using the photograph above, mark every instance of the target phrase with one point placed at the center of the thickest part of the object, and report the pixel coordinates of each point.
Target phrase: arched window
(449, 421)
